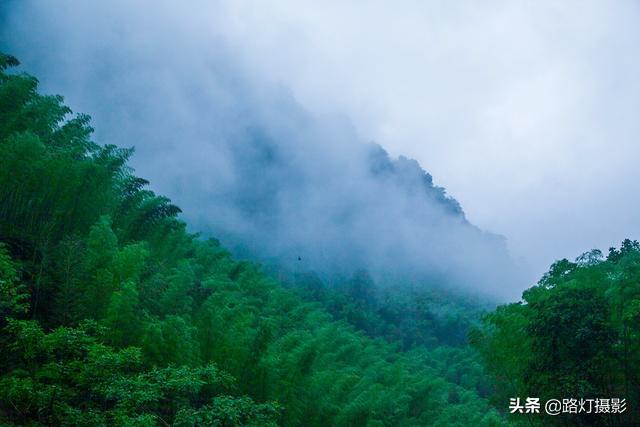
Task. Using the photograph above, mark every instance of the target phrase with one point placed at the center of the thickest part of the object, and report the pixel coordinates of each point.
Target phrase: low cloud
(232, 146)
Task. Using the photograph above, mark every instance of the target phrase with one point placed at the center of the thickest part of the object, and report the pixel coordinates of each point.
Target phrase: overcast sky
(524, 111)
(527, 112)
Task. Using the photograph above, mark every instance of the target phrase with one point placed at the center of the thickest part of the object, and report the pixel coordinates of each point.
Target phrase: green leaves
(14, 296)
(134, 321)
(7, 61)
(575, 334)
(69, 372)
(230, 411)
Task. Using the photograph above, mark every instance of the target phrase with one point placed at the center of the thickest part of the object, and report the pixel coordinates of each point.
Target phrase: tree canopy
(113, 314)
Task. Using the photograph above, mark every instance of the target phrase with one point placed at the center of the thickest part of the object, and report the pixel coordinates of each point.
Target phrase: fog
(274, 157)
(524, 110)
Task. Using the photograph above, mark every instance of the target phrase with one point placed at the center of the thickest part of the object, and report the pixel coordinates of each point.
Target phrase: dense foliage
(111, 313)
(575, 335)
(410, 316)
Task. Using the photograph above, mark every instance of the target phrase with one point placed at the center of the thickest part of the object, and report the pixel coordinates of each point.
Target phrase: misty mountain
(296, 215)
(223, 250)
(246, 162)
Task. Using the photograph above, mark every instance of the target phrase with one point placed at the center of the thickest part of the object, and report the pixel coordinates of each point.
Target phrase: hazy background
(527, 112)
(524, 111)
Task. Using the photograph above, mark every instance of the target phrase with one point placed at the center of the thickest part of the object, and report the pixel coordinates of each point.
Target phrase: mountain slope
(295, 190)
(113, 314)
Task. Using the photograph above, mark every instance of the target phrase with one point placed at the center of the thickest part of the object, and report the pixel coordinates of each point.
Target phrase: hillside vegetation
(112, 313)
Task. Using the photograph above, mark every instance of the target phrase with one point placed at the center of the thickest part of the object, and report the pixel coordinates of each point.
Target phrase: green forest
(112, 313)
